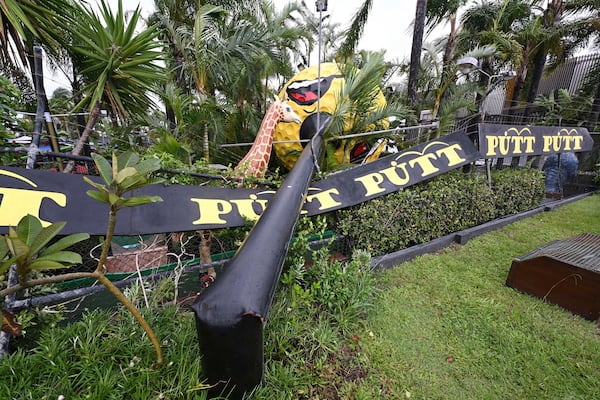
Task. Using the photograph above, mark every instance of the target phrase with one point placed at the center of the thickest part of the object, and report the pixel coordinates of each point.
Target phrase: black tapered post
(231, 313)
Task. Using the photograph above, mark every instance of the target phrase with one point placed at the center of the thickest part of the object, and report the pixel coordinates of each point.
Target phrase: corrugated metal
(582, 251)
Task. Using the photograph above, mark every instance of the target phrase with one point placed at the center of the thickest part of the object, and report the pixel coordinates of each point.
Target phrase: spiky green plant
(118, 63)
(25, 245)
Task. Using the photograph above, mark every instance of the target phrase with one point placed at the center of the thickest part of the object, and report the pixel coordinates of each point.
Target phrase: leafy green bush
(517, 189)
(438, 207)
(337, 291)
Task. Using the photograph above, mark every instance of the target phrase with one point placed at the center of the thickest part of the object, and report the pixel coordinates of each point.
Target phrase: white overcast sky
(389, 26)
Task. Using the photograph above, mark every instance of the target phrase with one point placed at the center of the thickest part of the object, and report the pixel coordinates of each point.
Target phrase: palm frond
(360, 105)
(355, 31)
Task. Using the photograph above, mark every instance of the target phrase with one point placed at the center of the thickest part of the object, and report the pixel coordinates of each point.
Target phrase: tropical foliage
(213, 65)
(29, 247)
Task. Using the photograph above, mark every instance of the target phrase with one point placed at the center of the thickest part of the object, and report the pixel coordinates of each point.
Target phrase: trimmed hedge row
(438, 207)
(517, 190)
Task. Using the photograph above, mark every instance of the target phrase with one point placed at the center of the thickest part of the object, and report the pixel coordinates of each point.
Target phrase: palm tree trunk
(171, 118)
(520, 80)
(552, 18)
(448, 56)
(84, 136)
(536, 76)
(415, 54)
(451, 43)
(77, 97)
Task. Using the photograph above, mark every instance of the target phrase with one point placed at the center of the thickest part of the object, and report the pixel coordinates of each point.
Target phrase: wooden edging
(391, 260)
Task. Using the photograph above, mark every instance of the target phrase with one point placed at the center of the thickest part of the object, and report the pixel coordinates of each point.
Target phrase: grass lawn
(447, 327)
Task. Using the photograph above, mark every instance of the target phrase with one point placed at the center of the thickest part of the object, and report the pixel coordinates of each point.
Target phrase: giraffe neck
(256, 160)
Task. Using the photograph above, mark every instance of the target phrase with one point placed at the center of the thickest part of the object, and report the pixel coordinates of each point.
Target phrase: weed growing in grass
(314, 330)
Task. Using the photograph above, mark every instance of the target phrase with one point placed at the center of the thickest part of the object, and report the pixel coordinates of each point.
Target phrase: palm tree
(117, 64)
(292, 30)
(24, 22)
(359, 106)
(439, 11)
(354, 33)
(587, 30)
(451, 97)
(551, 20)
(585, 16)
(570, 26)
(493, 24)
(226, 57)
(61, 102)
(415, 53)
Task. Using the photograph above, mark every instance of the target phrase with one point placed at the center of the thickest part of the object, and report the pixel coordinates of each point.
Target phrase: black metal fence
(572, 76)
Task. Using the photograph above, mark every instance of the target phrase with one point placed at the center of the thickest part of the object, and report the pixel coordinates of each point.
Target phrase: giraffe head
(285, 112)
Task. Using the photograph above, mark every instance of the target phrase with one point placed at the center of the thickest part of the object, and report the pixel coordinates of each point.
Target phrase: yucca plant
(117, 62)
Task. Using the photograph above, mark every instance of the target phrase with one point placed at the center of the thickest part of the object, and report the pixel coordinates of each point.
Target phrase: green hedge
(517, 189)
(438, 207)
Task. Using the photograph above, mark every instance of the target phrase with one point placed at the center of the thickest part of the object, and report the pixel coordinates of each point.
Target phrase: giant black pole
(231, 313)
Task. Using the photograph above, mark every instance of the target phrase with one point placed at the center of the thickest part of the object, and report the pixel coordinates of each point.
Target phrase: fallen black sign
(54, 197)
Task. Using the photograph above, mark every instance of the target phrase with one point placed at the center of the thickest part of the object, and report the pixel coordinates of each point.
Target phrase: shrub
(315, 324)
(438, 207)
(517, 190)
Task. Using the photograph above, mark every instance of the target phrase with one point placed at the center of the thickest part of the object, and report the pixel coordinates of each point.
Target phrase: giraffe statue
(255, 162)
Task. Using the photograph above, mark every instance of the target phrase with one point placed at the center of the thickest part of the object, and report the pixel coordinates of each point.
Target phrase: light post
(466, 65)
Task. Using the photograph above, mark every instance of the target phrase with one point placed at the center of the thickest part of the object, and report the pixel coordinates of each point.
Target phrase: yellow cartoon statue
(301, 93)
